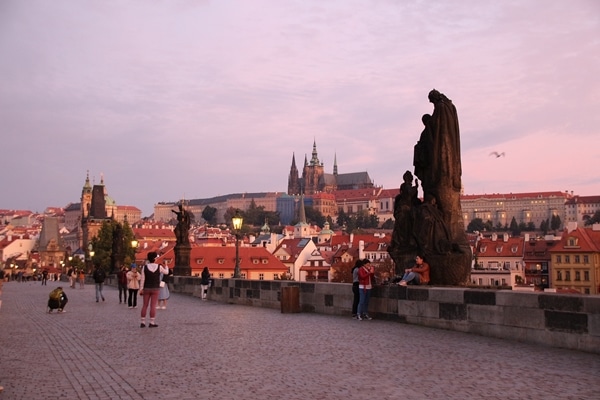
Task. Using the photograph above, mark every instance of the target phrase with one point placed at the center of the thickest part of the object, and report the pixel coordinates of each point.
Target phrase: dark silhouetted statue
(434, 227)
(182, 247)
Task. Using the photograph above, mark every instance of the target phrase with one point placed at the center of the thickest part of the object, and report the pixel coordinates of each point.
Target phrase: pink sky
(196, 99)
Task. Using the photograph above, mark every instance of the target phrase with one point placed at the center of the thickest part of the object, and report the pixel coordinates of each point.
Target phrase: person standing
(45, 277)
(366, 274)
(81, 279)
(122, 284)
(133, 285)
(355, 291)
(417, 275)
(163, 291)
(149, 288)
(204, 282)
(99, 277)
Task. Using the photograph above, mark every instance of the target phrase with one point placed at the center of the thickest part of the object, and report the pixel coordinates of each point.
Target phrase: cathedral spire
(315, 159)
(335, 171)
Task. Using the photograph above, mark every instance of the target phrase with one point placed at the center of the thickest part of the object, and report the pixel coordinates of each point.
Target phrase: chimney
(494, 237)
(361, 249)
(505, 237)
(526, 237)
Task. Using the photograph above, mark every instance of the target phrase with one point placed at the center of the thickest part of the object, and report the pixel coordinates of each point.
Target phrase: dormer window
(482, 249)
(199, 260)
(265, 261)
(514, 249)
(255, 261)
(221, 260)
(499, 249)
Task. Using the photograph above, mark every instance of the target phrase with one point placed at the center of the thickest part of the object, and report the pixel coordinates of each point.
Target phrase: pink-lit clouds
(200, 98)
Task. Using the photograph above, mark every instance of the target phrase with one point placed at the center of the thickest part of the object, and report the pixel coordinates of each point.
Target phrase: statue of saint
(182, 228)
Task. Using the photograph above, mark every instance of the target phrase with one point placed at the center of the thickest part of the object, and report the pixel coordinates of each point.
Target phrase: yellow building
(575, 264)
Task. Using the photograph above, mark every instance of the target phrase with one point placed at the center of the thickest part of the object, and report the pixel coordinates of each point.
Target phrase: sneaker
(358, 317)
(353, 316)
(366, 316)
(142, 325)
(153, 326)
(129, 307)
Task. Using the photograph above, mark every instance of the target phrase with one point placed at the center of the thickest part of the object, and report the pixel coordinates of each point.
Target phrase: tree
(530, 226)
(314, 216)
(209, 214)
(476, 224)
(555, 222)
(595, 219)
(342, 272)
(112, 246)
(544, 226)
(388, 224)
(514, 227)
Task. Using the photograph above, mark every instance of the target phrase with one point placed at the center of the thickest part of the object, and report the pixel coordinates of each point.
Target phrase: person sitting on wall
(417, 275)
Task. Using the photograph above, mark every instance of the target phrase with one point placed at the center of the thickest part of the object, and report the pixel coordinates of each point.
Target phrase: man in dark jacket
(99, 276)
(122, 283)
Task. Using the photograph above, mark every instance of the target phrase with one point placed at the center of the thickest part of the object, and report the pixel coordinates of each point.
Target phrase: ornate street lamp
(91, 252)
(134, 246)
(237, 222)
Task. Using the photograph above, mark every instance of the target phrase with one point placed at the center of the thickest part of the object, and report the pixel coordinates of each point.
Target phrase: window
(558, 259)
(243, 276)
(220, 261)
(567, 259)
(275, 276)
(586, 276)
(586, 290)
(559, 275)
(480, 281)
(503, 282)
(567, 276)
(261, 277)
(255, 261)
(577, 275)
(577, 259)
(265, 261)
(586, 259)
(221, 276)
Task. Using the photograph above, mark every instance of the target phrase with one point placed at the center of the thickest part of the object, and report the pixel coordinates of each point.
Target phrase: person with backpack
(58, 300)
(99, 277)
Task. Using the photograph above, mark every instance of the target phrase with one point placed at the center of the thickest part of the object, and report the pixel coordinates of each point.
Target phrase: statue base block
(453, 269)
(182, 260)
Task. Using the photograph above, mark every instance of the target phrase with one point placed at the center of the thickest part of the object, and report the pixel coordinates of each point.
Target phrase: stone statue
(435, 227)
(182, 228)
(182, 247)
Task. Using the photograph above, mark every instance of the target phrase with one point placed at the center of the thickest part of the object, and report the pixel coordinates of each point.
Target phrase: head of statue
(434, 96)
(407, 176)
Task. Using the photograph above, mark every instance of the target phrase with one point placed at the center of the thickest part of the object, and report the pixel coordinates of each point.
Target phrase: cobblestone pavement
(204, 349)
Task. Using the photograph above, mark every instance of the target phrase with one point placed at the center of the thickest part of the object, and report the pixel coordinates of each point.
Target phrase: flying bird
(495, 153)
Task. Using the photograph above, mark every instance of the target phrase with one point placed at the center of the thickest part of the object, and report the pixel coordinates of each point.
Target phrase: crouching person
(58, 300)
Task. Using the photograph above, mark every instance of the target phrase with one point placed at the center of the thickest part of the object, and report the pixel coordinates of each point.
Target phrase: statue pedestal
(452, 269)
(182, 260)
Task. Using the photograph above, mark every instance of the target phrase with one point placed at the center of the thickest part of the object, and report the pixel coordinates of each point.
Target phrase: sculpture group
(433, 226)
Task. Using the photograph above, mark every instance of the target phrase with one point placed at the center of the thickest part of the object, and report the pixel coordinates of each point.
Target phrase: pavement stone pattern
(209, 350)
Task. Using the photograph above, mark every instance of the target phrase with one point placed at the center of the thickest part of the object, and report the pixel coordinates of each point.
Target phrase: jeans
(204, 289)
(132, 301)
(363, 303)
(150, 297)
(411, 278)
(356, 298)
(123, 289)
(99, 293)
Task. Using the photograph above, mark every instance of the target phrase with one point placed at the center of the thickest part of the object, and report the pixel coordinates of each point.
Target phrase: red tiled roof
(514, 195)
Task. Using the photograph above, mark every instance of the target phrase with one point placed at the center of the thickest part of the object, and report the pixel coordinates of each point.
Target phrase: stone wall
(557, 320)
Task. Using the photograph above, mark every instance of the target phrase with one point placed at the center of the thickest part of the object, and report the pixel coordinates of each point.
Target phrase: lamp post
(91, 252)
(237, 221)
(134, 246)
